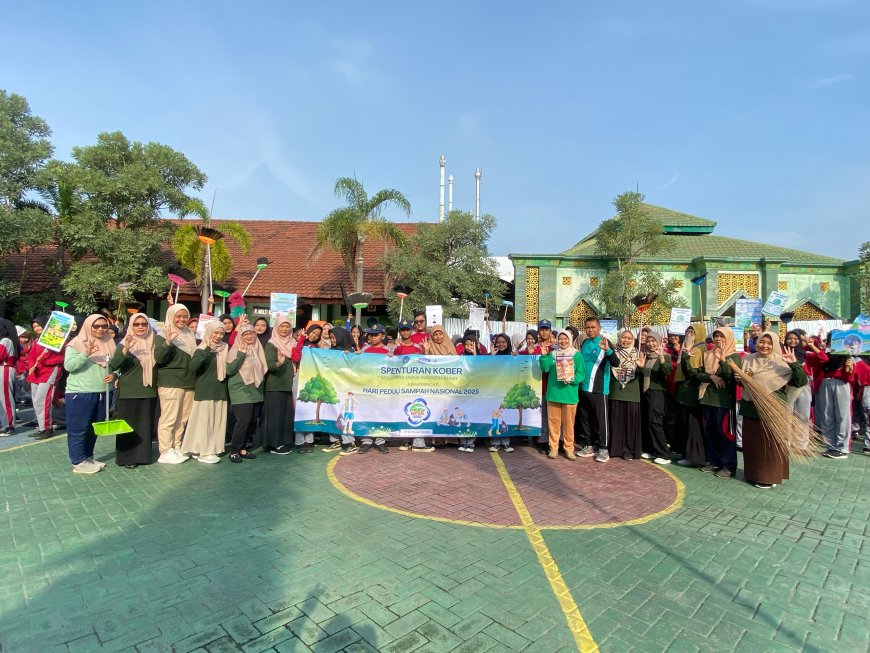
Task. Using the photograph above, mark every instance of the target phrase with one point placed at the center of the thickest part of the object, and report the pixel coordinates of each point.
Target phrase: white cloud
(673, 180)
(822, 82)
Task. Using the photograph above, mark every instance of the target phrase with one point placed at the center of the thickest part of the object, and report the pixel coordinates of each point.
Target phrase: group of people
(232, 391)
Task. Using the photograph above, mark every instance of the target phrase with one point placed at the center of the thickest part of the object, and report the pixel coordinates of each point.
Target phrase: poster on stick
(56, 330)
(282, 303)
(434, 315)
(204, 321)
(746, 313)
(851, 342)
(775, 304)
(680, 320)
(610, 330)
(476, 318)
(417, 395)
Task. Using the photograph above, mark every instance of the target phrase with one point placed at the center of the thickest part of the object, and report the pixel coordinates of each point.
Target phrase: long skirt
(135, 448)
(763, 462)
(206, 428)
(625, 428)
(690, 434)
(278, 415)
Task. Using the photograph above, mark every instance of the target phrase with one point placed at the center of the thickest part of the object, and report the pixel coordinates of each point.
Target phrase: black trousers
(246, 422)
(654, 440)
(591, 426)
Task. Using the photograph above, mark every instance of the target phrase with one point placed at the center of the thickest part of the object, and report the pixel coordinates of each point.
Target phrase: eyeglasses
(419, 321)
(100, 326)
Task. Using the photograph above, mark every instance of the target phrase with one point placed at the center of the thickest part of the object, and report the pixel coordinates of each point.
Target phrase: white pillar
(441, 163)
(477, 194)
(449, 193)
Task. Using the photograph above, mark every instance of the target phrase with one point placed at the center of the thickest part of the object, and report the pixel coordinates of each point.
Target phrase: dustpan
(111, 426)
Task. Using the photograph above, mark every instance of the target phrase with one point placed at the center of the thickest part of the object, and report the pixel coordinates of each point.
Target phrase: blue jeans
(82, 410)
(719, 441)
(834, 414)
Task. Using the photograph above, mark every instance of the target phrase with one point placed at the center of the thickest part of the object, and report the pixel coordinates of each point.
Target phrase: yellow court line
(576, 623)
(30, 444)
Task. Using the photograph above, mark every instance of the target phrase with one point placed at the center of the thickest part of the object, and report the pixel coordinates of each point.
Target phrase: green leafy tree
(319, 391)
(127, 189)
(864, 276)
(447, 263)
(24, 149)
(631, 235)
(191, 252)
(520, 397)
(346, 229)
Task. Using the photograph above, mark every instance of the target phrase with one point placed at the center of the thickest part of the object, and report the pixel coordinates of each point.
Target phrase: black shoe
(248, 455)
(383, 448)
(302, 448)
(9, 430)
(628, 456)
(365, 448)
(281, 450)
(132, 466)
(44, 435)
(235, 458)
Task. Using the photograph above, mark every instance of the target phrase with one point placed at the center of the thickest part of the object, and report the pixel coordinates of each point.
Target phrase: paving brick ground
(269, 556)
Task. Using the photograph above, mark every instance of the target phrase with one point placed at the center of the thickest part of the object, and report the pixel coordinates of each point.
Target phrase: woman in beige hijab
(172, 351)
(689, 437)
(246, 387)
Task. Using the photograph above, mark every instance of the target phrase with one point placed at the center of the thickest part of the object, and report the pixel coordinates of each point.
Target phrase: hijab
(649, 361)
(266, 336)
(142, 347)
(561, 356)
(343, 339)
(253, 370)
(769, 372)
(98, 348)
(221, 319)
(799, 352)
(445, 348)
(185, 340)
(8, 330)
(510, 348)
(696, 353)
(220, 350)
(711, 365)
(625, 372)
(284, 344)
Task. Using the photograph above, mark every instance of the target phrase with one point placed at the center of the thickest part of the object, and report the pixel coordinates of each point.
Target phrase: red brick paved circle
(451, 485)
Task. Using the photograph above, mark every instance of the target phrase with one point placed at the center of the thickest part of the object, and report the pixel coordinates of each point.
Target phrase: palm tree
(191, 252)
(345, 229)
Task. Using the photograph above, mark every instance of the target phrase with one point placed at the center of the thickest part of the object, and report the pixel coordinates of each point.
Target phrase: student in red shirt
(376, 335)
(9, 351)
(44, 368)
(405, 344)
(420, 335)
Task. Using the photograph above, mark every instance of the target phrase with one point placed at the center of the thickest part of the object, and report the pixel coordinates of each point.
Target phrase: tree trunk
(520, 424)
(317, 412)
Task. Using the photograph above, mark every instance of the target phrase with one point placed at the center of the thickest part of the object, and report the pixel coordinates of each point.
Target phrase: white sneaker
(461, 449)
(210, 459)
(647, 456)
(171, 457)
(181, 454)
(404, 446)
(493, 448)
(87, 467)
(661, 461)
(508, 449)
(98, 463)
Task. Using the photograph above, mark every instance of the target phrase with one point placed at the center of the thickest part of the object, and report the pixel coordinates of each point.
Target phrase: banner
(746, 313)
(610, 330)
(680, 320)
(418, 396)
(775, 304)
(282, 303)
(852, 342)
(56, 330)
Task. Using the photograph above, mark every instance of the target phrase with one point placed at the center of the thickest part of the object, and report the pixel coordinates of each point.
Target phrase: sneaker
(461, 448)
(553, 455)
(469, 449)
(586, 452)
(866, 451)
(383, 448)
(301, 448)
(662, 461)
(181, 455)
(493, 448)
(508, 449)
(352, 449)
(836, 455)
(685, 462)
(169, 457)
(41, 435)
(724, 473)
(708, 468)
(404, 446)
(542, 447)
(365, 448)
(332, 448)
(602, 456)
(86, 467)
(209, 459)
(283, 450)
(5, 433)
(101, 464)
(763, 486)
(422, 449)
(570, 455)
(647, 456)
(628, 456)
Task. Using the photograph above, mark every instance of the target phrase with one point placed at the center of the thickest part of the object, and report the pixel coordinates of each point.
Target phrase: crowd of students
(233, 391)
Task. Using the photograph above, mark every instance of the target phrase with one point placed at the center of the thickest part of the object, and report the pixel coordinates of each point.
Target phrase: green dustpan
(111, 426)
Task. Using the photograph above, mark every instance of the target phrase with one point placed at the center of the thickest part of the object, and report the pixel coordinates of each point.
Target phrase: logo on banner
(417, 412)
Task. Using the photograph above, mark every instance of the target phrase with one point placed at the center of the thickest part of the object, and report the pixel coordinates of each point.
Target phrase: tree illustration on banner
(520, 397)
(319, 391)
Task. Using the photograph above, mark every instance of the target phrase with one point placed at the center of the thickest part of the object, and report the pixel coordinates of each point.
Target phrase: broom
(792, 435)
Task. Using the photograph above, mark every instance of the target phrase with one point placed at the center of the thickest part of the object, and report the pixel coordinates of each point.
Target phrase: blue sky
(754, 113)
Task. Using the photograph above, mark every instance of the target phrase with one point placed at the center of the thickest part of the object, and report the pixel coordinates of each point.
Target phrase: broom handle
(107, 391)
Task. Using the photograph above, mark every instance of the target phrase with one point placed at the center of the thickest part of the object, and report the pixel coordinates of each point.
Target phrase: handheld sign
(434, 315)
(476, 318)
(775, 304)
(680, 319)
(282, 303)
(851, 342)
(56, 330)
(610, 330)
(204, 321)
(746, 313)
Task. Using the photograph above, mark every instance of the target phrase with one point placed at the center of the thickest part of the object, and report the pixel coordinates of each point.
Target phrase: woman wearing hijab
(773, 370)
(655, 367)
(278, 433)
(438, 343)
(625, 422)
(9, 353)
(229, 328)
(312, 338)
(501, 346)
(565, 370)
(133, 362)
(87, 359)
(264, 331)
(44, 371)
(206, 428)
(689, 437)
(175, 382)
(245, 386)
(530, 346)
(716, 394)
(800, 399)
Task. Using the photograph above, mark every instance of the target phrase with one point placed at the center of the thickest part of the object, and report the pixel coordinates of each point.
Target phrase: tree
(127, 189)
(629, 236)
(319, 391)
(191, 252)
(447, 264)
(520, 397)
(24, 149)
(864, 276)
(346, 229)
